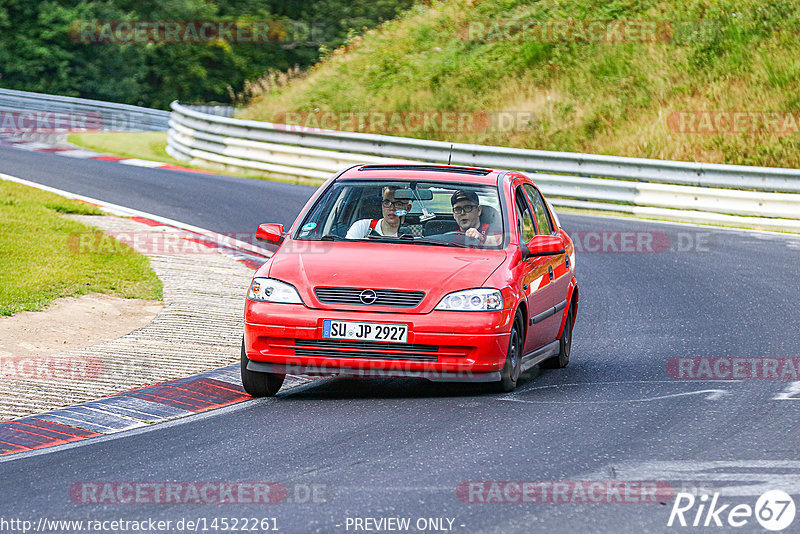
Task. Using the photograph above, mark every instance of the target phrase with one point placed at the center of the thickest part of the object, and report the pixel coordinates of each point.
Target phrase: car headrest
(489, 215)
(370, 209)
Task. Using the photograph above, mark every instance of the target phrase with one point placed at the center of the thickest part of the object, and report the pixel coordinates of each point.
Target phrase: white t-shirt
(361, 229)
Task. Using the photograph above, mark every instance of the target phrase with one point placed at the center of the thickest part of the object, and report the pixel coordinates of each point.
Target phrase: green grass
(594, 97)
(141, 145)
(40, 262)
(150, 146)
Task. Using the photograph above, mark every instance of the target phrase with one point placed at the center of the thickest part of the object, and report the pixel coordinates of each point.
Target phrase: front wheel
(510, 372)
(565, 346)
(259, 384)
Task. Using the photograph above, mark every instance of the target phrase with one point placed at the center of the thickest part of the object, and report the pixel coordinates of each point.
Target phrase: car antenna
(450, 157)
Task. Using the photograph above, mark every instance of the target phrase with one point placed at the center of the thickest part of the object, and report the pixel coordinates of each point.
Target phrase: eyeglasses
(458, 210)
(396, 203)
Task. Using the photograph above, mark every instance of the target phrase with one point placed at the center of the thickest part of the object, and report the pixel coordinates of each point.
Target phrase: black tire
(510, 372)
(259, 384)
(565, 346)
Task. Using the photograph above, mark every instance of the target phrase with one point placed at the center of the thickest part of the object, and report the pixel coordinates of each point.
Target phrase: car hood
(434, 270)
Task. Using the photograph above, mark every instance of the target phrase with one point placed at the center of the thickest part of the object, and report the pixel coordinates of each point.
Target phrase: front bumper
(441, 345)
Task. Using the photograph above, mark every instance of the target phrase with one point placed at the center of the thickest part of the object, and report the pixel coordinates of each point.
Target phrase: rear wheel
(510, 372)
(259, 384)
(565, 346)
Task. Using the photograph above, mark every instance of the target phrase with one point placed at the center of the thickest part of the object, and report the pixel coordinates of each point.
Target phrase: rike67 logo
(774, 510)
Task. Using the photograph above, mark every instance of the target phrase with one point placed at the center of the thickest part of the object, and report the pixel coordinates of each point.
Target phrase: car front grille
(330, 348)
(384, 297)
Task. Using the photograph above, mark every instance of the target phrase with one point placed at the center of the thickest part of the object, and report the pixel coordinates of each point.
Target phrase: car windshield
(414, 212)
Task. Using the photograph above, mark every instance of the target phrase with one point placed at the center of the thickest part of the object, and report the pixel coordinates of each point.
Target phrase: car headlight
(271, 290)
(472, 300)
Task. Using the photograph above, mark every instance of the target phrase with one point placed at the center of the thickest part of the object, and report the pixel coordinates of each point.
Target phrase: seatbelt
(373, 223)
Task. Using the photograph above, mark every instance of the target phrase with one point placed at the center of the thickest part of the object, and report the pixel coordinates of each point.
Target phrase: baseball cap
(461, 194)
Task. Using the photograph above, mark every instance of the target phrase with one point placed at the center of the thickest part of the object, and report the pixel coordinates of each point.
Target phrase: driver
(467, 213)
(393, 213)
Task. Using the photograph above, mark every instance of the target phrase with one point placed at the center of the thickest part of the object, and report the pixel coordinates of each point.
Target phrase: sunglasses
(458, 210)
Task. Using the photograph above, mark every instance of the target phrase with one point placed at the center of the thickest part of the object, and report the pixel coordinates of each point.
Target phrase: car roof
(440, 173)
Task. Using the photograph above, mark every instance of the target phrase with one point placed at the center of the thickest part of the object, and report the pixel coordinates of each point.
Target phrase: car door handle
(550, 271)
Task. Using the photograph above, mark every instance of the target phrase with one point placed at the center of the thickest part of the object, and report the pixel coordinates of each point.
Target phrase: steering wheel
(457, 236)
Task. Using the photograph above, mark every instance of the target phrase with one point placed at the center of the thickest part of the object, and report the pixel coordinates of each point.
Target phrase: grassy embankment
(595, 97)
(41, 262)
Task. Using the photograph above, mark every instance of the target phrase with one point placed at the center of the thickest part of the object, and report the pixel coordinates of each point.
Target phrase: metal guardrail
(763, 197)
(222, 110)
(88, 114)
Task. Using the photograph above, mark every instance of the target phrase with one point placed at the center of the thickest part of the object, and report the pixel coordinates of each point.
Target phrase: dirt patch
(73, 323)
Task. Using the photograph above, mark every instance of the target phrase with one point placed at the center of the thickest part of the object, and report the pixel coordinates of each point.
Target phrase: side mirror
(543, 245)
(271, 233)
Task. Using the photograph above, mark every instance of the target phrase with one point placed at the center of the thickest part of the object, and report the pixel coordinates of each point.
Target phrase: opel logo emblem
(368, 296)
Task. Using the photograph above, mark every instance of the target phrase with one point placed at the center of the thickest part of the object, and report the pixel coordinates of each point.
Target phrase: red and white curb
(129, 410)
(79, 153)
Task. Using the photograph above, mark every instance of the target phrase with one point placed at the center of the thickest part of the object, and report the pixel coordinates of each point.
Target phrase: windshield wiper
(411, 238)
(440, 243)
(331, 237)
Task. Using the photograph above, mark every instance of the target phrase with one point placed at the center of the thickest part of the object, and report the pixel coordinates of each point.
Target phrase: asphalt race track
(398, 448)
(208, 201)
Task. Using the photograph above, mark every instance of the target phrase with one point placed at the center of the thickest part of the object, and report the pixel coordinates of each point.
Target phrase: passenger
(386, 226)
(467, 213)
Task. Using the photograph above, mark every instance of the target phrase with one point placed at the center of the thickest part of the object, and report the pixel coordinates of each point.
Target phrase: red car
(441, 272)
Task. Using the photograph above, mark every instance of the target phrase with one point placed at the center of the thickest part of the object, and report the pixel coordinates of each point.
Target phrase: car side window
(527, 230)
(539, 210)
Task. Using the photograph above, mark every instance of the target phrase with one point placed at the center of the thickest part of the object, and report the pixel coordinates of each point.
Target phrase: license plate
(392, 333)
